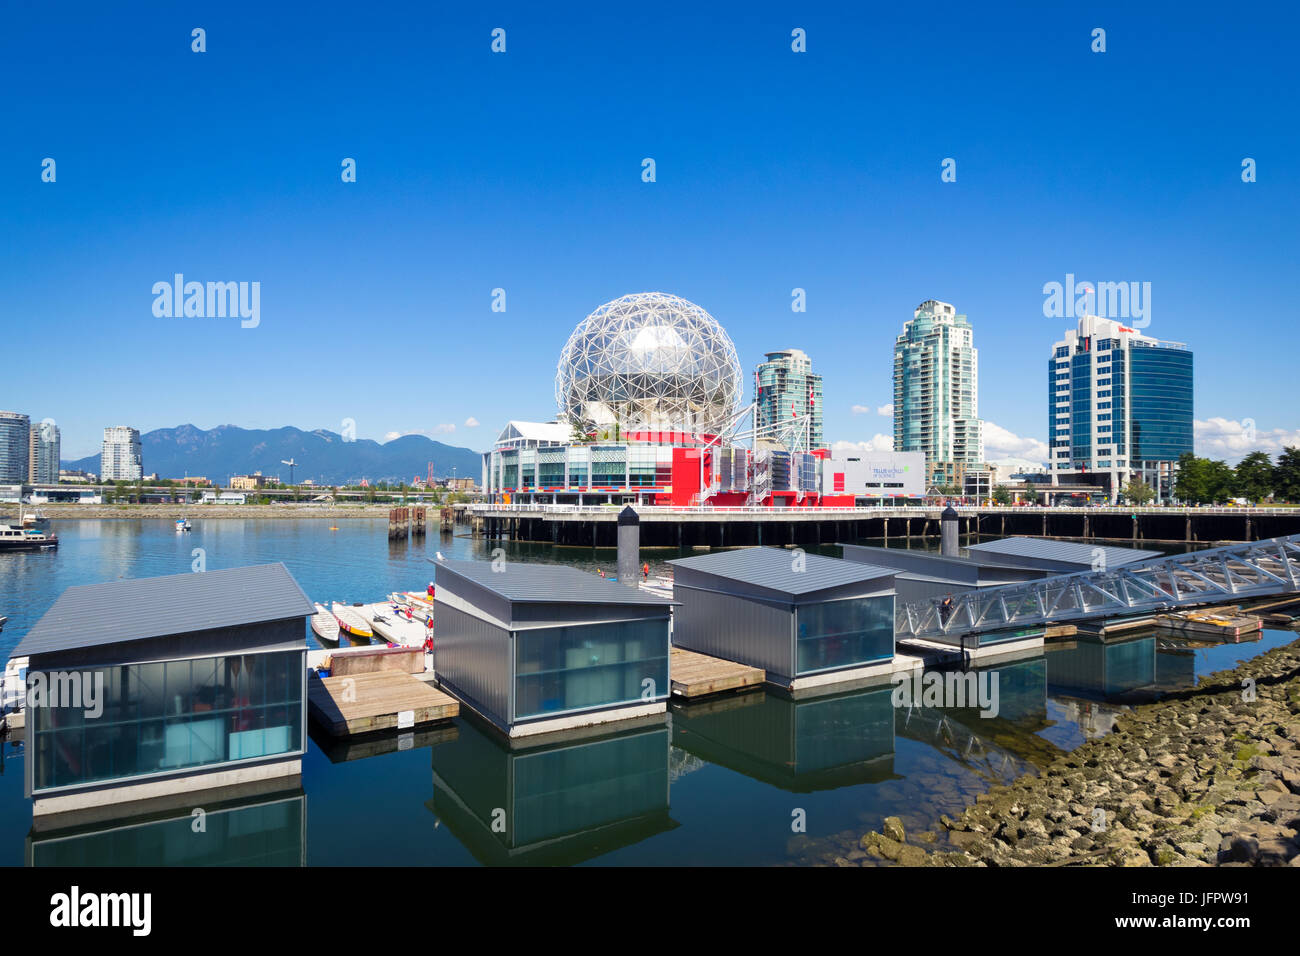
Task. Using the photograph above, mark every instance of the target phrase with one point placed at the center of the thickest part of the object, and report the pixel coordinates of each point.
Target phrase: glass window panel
(844, 633)
(581, 667)
(164, 717)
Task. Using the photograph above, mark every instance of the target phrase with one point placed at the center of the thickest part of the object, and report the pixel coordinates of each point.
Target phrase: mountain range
(323, 456)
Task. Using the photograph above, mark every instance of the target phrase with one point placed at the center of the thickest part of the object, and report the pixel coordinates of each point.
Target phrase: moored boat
(420, 611)
(324, 625)
(14, 537)
(351, 622)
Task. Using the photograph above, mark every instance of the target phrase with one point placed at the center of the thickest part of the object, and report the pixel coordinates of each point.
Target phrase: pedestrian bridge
(1214, 576)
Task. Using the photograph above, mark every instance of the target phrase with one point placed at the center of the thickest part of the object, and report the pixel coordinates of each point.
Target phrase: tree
(1191, 486)
(1254, 477)
(1137, 492)
(1002, 495)
(1031, 493)
(1286, 474)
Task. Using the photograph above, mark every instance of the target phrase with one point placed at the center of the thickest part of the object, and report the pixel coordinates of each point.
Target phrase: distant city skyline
(499, 198)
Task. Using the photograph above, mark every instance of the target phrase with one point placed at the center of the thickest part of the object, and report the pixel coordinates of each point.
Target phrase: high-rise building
(1119, 407)
(43, 454)
(936, 393)
(15, 439)
(121, 459)
(788, 391)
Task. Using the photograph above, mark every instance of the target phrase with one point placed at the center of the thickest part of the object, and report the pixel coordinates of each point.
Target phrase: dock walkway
(695, 675)
(383, 700)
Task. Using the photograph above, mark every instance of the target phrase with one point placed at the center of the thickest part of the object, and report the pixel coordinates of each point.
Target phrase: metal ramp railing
(1248, 569)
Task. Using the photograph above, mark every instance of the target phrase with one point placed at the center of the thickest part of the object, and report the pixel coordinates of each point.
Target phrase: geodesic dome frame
(649, 361)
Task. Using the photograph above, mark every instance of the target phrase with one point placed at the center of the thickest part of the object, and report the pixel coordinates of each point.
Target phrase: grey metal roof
(524, 583)
(1072, 552)
(91, 615)
(773, 568)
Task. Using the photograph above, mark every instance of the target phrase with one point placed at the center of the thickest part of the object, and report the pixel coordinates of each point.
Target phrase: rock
(893, 828)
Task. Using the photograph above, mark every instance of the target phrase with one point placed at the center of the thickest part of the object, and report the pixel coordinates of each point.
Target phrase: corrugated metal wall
(734, 628)
(473, 658)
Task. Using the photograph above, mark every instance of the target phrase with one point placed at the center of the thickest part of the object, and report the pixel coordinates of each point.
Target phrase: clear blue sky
(522, 171)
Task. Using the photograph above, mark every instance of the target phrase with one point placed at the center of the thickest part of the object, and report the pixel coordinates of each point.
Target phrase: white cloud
(471, 422)
(861, 409)
(1001, 444)
(443, 429)
(885, 409)
(877, 443)
(1233, 440)
(389, 436)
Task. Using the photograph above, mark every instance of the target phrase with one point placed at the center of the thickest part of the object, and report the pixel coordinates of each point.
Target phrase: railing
(877, 509)
(1248, 569)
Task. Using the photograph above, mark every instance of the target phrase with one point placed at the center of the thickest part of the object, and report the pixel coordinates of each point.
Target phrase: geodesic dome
(649, 361)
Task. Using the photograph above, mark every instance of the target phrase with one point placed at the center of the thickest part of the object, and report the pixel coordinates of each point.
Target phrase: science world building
(648, 390)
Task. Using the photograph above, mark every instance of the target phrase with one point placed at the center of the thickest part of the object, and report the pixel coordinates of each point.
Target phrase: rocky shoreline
(1208, 776)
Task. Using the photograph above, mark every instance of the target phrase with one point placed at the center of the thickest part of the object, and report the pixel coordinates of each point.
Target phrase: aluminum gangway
(1245, 570)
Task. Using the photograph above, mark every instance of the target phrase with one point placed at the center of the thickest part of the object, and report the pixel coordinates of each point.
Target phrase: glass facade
(1081, 408)
(168, 716)
(844, 633)
(1161, 384)
(579, 667)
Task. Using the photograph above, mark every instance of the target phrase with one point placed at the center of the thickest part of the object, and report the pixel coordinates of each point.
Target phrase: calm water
(720, 785)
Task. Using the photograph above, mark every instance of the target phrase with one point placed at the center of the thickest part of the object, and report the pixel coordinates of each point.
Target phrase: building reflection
(797, 745)
(1098, 669)
(993, 739)
(260, 830)
(556, 802)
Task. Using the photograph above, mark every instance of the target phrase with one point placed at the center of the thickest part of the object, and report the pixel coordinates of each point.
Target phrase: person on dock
(945, 609)
(645, 571)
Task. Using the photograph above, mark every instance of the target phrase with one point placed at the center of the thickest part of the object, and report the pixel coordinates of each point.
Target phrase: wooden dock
(1227, 624)
(384, 700)
(695, 675)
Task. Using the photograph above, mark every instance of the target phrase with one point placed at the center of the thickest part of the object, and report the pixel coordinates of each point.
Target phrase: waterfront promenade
(728, 527)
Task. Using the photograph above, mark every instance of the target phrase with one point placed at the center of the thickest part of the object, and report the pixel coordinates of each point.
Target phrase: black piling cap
(628, 516)
(949, 514)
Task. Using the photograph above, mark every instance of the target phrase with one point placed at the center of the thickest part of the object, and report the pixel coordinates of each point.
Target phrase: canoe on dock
(391, 625)
(421, 605)
(324, 625)
(351, 622)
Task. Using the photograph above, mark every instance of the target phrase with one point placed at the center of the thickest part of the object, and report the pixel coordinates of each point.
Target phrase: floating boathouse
(536, 648)
(157, 687)
(806, 619)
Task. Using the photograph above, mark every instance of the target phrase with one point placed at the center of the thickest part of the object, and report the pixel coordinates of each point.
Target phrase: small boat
(3, 619)
(182, 524)
(351, 622)
(324, 625)
(421, 611)
(14, 537)
(416, 599)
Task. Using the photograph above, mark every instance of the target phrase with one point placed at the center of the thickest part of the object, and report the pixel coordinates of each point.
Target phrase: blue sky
(522, 171)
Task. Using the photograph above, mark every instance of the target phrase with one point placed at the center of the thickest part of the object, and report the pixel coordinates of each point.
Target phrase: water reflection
(557, 803)
(256, 831)
(798, 745)
(1098, 669)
